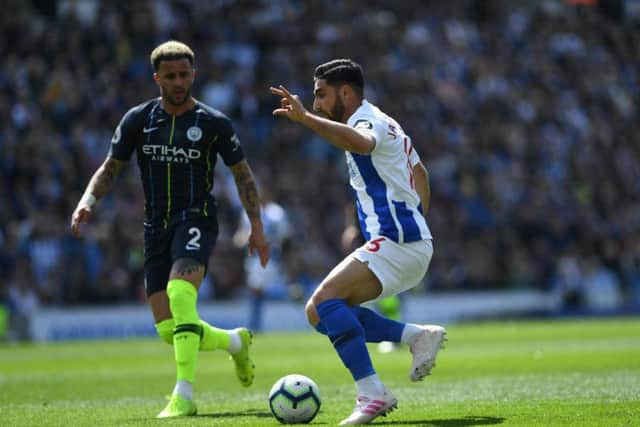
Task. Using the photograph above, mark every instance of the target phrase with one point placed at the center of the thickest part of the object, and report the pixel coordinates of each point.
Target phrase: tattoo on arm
(247, 189)
(104, 178)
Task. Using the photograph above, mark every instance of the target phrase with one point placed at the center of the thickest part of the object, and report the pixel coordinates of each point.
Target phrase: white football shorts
(399, 267)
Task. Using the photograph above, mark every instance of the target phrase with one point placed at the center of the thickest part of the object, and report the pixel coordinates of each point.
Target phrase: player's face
(175, 79)
(328, 101)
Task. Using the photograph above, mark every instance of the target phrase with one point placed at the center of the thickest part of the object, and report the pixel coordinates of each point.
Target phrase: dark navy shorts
(162, 246)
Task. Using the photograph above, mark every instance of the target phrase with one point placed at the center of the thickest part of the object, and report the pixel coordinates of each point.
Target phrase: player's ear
(344, 90)
(156, 77)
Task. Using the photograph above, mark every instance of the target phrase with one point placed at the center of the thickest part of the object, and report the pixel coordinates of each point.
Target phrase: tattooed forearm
(247, 189)
(102, 181)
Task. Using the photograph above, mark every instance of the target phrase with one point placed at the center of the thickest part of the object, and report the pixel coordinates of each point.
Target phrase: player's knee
(312, 313)
(326, 291)
(188, 269)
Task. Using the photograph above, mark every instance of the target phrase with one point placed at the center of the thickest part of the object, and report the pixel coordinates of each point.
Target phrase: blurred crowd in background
(525, 114)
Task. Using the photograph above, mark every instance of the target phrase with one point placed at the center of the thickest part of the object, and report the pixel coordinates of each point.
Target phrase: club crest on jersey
(194, 133)
(116, 136)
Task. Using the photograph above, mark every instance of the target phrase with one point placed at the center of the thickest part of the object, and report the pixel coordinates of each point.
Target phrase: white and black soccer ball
(294, 399)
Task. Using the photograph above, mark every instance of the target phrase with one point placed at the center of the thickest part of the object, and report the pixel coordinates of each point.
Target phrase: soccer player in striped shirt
(391, 188)
(177, 140)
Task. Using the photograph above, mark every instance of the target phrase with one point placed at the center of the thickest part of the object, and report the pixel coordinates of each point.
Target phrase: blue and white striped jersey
(386, 200)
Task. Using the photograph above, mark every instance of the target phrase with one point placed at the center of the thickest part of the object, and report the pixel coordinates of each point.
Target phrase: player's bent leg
(347, 336)
(350, 280)
(351, 283)
(378, 328)
(212, 338)
(236, 341)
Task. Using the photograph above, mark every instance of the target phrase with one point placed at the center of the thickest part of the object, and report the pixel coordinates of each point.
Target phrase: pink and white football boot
(424, 347)
(370, 407)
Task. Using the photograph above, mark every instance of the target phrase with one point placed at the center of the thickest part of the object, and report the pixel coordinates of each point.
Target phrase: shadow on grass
(258, 413)
(451, 422)
(246, 413)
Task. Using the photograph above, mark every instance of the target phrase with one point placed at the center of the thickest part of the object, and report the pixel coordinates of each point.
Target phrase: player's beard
(337, 111)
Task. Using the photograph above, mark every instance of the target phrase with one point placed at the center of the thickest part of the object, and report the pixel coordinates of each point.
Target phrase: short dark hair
(169, 51)
(341, 71)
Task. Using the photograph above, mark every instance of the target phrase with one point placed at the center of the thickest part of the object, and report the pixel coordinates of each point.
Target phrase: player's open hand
(80, 216)
(258, 242)
(290, 105)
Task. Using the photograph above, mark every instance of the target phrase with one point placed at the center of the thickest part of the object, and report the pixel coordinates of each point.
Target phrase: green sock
(214, 338)
(186, 335)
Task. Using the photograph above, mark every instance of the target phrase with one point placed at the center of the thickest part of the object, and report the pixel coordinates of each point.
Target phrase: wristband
(88, 200)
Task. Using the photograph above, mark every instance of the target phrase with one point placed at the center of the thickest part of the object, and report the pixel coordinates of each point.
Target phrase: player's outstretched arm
(421, 177)
(338, 134)
(100, 184)
(248, 192)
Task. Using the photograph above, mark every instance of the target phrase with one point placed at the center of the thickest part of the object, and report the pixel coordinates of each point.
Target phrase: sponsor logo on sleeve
(235, 141)
(363, 124)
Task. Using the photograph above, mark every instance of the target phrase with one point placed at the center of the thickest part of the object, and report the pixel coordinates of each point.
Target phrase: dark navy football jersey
(176, 156)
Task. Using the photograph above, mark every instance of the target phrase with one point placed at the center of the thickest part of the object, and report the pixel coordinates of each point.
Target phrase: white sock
(235, 344)
(409, 331)
(370, 386)
(184, 388)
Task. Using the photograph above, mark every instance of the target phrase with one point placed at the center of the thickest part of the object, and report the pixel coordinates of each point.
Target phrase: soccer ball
(294, 399)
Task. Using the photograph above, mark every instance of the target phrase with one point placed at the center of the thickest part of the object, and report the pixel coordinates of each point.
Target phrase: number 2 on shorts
(194, 244)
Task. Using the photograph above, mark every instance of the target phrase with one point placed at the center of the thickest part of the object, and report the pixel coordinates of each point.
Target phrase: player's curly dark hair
(341, 71)
(169, 51)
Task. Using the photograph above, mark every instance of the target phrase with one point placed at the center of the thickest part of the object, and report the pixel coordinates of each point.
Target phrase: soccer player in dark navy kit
(176, 140)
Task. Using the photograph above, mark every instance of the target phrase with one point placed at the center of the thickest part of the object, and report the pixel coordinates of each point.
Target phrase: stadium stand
(525, 113)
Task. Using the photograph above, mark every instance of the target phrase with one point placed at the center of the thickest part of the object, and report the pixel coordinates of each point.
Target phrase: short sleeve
(370, 127)
(414, 158)
(228, 144)
(125, 138)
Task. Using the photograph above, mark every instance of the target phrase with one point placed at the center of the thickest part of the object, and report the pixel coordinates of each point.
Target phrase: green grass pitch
(509, 373)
